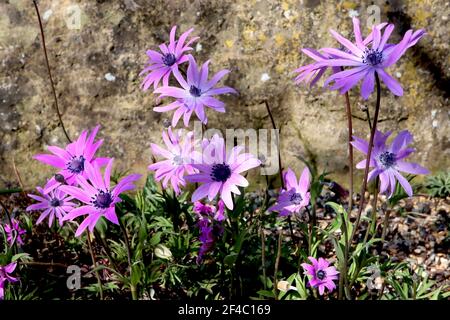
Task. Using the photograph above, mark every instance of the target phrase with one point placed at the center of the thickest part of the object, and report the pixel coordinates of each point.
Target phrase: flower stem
(277, 263)
(343, 277)
(374, 213)
(94, 262)
(49, 72)
(10, 191)
(348, 110)
(310, 231)
(368, 118)
(385, 224)
(369, 154)
(280, 170)
(130, 265)
(263, 256)
(107, 249)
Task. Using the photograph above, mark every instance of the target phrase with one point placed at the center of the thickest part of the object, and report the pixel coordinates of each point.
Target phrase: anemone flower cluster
(14, 232)
(80, 180)
(5, 276)
(195, 92)
(97, 196)
(362, 58)
(180, 153)
(321, 275)
(295, 196)
(218, 172)
(210, 225)
(388, 161)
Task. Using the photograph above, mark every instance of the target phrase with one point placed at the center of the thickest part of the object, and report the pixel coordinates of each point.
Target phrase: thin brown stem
(49, 72)
(369, 154)
(19, 178)
(44, 264)
(94, 262)
(368, 118)
(277, 263)
(263, 256)
(274, 126)
(385, 224)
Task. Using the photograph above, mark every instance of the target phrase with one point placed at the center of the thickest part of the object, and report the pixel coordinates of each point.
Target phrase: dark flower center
(54, 202)
(76, 164)
(387, 159)
(321, 274)
(220, 172)
(102, 200)
(169, 59)
(195, 92)
(372, 57)
(296, 198)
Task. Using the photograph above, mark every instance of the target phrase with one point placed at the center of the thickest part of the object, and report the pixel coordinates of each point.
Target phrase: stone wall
(96, 64)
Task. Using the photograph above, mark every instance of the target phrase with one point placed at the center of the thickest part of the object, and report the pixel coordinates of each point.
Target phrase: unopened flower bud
(60, 178)
(285, 286)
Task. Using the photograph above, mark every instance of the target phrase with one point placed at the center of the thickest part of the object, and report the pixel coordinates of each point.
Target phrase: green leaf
(136, 274)
(156, 238)
(230, 259)
(21, 256)
(266, 293)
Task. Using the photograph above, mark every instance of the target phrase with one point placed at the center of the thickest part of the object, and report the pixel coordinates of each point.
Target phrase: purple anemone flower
(295, 196)
(5, 276)
(205, 209)
(194, 94)
(73, 159)
(53, 204)
(321, 275)
(14, 232)
(161, 65)
(97, 195)
(179, 157)
(220, 211)
(364, 59)
(220, 172)
(311, 73)
(388, 160)
(210, 226)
